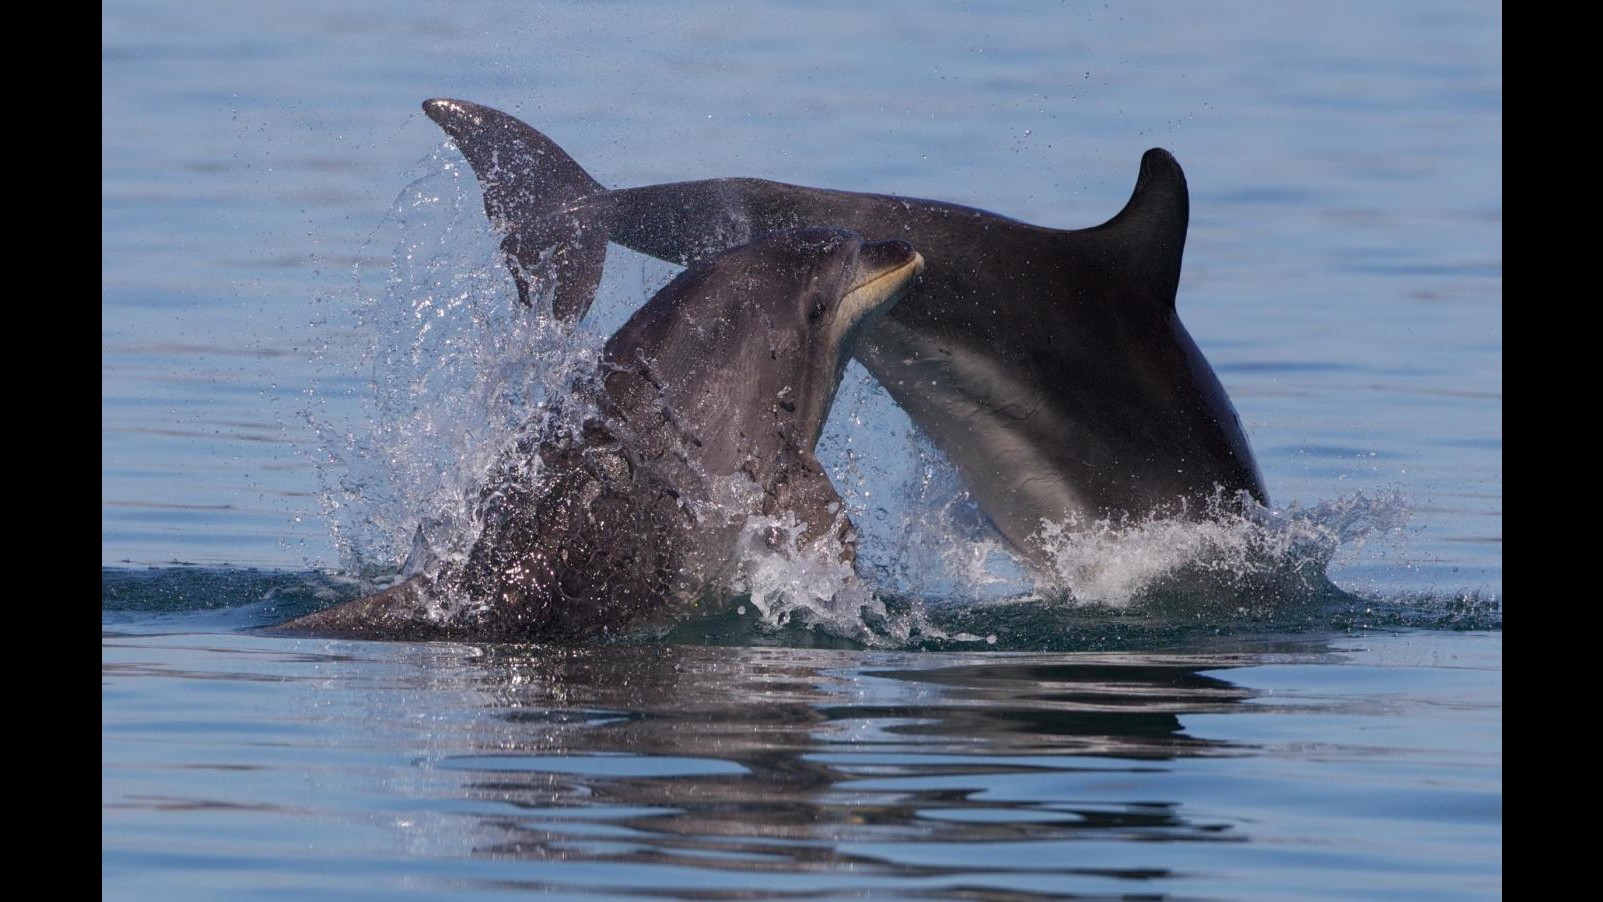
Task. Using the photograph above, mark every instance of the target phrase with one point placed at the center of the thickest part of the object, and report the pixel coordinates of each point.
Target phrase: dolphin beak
(884, 272)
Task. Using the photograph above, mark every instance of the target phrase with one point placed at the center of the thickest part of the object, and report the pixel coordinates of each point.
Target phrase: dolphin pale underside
(1049, 365)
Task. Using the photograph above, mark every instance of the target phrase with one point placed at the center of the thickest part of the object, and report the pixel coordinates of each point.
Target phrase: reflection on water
(696, 770)
(763, 759)
(909, 750)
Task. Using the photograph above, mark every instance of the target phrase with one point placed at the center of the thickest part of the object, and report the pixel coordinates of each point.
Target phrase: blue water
(274, 207)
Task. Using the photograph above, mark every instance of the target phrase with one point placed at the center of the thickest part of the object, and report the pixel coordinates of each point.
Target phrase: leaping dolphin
(1049, 365)
(706, 412)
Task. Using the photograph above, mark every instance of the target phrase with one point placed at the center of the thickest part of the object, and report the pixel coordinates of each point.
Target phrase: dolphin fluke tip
(454, 115)
(1158, 168)
(1157, 156)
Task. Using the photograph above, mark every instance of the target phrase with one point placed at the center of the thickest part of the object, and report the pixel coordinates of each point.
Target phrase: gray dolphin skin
(705, 411)
(1049, 365)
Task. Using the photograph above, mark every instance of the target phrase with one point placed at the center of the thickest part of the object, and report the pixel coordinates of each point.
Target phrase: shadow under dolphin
(1049, 365)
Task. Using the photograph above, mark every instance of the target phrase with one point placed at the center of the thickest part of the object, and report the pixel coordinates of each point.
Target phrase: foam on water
(1283, 553)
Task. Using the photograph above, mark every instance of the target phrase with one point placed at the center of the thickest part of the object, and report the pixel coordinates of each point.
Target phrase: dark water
(275, 419)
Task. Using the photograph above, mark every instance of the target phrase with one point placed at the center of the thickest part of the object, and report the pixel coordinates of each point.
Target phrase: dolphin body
(1049, 365)
(705, 411)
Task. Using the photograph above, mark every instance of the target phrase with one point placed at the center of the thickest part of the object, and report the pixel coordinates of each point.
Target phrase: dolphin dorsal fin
(532, 194)
(1148, 236)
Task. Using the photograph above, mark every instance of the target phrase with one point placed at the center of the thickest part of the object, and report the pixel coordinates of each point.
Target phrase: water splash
(1252, 557)
(455, 367)
(921, 534)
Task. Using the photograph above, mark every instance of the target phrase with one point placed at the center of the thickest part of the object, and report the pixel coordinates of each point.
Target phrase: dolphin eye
(819, 306)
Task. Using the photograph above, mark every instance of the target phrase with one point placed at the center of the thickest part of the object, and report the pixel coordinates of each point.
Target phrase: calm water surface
(274, 203)
(1275, 767)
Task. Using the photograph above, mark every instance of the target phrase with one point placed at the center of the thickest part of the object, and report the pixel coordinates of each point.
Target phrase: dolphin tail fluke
(534, 194)
(1149, 234)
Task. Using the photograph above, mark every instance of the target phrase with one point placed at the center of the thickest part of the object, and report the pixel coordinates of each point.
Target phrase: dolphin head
(855, 282)
(748, 347)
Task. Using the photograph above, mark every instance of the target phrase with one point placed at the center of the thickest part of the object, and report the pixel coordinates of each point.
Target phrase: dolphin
(704, 412)
(1049, 365)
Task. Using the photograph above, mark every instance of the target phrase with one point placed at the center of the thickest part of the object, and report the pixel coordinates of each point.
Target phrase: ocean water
(308, 340)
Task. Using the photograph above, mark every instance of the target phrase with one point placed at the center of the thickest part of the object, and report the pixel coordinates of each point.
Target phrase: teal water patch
(249, 598)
